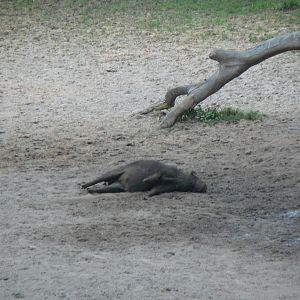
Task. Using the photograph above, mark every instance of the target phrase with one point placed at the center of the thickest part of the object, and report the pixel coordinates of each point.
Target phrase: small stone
(18, 295)
(82, 240)
(259, 160)
(111, 70)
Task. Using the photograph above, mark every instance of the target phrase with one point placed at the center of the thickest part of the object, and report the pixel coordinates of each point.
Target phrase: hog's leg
(107, 177)
(166, 188)
(163, 178)
(113, 188)
(153, 178)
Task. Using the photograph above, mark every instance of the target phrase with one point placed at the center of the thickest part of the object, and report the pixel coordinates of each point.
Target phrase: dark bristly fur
(147, 175)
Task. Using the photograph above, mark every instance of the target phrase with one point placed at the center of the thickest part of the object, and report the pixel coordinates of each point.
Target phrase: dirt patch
(66, 105)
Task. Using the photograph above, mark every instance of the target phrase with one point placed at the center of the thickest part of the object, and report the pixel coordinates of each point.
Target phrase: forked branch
(231, 65)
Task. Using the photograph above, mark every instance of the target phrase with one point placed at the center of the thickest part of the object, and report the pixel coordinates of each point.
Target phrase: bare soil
(67, 96)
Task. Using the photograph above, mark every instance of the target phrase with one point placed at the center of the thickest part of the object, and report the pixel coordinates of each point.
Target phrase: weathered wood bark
(231, 65)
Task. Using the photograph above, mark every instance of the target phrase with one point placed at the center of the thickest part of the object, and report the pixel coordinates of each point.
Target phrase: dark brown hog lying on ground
(147, 175)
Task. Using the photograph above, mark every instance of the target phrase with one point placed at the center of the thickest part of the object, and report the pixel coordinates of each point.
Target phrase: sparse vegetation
(219, 18)
(215, 114)
(290, 4)
(23, 3)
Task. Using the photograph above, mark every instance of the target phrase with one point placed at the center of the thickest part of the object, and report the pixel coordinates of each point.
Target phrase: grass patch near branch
(215, 114)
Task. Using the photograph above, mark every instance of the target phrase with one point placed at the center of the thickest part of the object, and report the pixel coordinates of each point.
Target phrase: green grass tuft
(290, 4)
(215, 114)
(24, 3)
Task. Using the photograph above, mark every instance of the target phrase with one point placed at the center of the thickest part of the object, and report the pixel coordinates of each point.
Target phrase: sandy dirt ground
(67, 98)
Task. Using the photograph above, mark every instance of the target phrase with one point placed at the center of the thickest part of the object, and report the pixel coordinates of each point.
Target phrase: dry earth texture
(67, 94)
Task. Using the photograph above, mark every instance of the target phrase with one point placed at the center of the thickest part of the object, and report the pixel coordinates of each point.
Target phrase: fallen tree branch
(231, 65)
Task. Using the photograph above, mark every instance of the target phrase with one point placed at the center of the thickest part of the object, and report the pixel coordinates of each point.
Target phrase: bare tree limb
(231, 65)
(170, 98)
